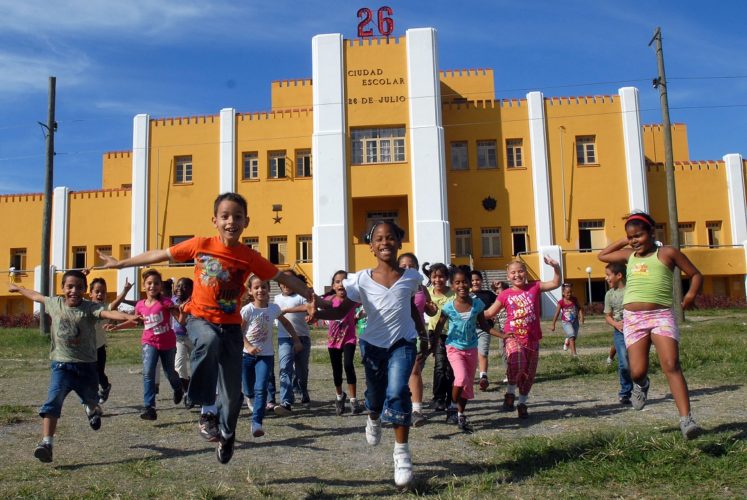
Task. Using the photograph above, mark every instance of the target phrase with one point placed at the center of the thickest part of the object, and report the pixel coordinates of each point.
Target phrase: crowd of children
(215, 339)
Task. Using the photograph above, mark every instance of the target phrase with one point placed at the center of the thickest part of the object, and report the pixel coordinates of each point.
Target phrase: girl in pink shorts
(463, 314)
(647, 313)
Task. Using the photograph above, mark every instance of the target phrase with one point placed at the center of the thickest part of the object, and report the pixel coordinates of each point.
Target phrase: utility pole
(50, 128)
(674, 233)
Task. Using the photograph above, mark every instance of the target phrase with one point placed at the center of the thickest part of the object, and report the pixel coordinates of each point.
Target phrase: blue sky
(113, 60)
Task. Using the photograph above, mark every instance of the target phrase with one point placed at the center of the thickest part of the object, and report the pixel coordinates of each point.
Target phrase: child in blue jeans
(613, 315)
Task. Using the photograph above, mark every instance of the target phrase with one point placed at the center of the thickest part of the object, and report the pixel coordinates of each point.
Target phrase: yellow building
(379, 131)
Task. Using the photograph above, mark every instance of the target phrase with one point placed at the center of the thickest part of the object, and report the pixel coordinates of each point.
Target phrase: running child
(463, 314)
(483, 337)
(647, 310)
(73, 353)
(522, 303)
(222, 265)
(258, 360)
(443, 376)
(388, 343)
(184, 346)
(613, 314)
(571, 314)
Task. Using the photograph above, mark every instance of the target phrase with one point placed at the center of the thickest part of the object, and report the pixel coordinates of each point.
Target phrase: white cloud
(25, 72)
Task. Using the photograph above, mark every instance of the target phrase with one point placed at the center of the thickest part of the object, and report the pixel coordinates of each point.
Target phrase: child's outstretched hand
(109, 262)
(253, 350)
(552, 262)
(552, 327)
(13, 288)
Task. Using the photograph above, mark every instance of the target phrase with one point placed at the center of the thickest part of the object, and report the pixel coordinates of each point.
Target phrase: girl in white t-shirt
(388, 345)
(257, 319)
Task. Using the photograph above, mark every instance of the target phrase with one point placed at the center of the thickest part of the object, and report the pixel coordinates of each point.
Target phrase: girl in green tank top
(647, 314)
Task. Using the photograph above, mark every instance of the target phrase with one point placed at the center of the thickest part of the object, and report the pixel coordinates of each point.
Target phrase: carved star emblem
(277, 219)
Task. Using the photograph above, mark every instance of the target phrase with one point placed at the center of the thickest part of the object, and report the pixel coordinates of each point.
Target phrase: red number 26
(385, 24)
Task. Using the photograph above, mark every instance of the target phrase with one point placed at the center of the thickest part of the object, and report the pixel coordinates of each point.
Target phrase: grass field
(577, 443)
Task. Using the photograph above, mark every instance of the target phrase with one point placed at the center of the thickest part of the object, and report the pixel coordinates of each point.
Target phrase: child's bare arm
(555, 317)
(29, 294)
(143, 259)
(440, 326)
(297, 345)
(680, 260)
(338, 312)
(127, 286)
(554, 283)
(119, 316)
(494, 309)
(294, 284)
(296, 309)
(616, 252)
(581, 314)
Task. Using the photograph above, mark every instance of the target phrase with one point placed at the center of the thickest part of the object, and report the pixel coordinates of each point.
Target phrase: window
(586, 150)
(591, 235)
(303, 163)
(491, 241)
(79, 258)
(182, 170)
(250, 162)
(514, 157)
(277, 165)
(106, 250)
(304, 248)
(278, 249)
(378, 145)
(178, 239)
(486, 154)
(389, 216)
(660, 232)
(18, 259)
(125, 251)
(463, 242)
(459, 156)
(520, 242)
(714, 233)
(252, 242)
(687, 234)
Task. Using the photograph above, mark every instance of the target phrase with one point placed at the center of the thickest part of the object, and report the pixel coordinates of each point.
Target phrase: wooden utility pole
(674, 233)
(50, 127)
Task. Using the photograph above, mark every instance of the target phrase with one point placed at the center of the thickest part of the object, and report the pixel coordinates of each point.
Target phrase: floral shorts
(639, 324)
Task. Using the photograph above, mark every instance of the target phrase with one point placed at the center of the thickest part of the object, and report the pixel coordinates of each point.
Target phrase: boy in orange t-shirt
(222, 266)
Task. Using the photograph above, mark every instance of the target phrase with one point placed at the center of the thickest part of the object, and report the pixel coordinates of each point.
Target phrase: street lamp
(588, 279)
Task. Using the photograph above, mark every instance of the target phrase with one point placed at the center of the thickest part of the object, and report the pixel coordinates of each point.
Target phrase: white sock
(460, 414)
(353, 402)
(209, 409)
(523, 399)
(511, 389)
(339, 397)
(417, 407)
(483, 374)
(48, 440)
(401, 448)
(452, 405)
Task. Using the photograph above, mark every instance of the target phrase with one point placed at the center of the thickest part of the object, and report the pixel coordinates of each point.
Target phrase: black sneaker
(104, 394)
(209, 427)
(624, 400)
(357, 408)
(224, 451)
(522, 411)
(508, 402)
(188, 404)
(178, 395)
(283, 410)
(340, 405)
(440, 405)
(95, 421)
(149, 413)
(43, 452)
(464, 425)
(451, 416)
(418, 419)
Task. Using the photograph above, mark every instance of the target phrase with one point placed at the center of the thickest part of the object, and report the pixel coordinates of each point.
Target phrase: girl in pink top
(341, 344)
(521, 347)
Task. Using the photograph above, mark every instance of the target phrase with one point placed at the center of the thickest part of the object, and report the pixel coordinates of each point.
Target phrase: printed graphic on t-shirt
(568, 311)
(213, 274)
(155, 323)
(68, 332)
(523, 314)
(640, 268)
(259, 329)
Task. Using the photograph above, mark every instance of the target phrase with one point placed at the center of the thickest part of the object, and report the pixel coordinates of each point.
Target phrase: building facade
(381, 132)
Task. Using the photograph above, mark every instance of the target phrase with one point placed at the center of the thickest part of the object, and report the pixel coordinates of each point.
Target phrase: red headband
(640, 218)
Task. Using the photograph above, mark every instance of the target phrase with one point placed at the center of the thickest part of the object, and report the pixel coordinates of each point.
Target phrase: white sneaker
(609, 360)
(402, 468)
(373, 431)
(257, 430)
(249, 405)
(565, 345)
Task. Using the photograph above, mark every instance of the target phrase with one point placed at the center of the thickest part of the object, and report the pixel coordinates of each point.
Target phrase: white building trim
(540, 170)
(635, 162)
(227, 175)
(139, 219)
(550, 299)
(735, 192)
(431, 232)
(330, 242)
(38, 287)
(60, 223)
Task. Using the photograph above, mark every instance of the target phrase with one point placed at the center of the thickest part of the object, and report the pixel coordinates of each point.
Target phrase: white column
(330, 232)
(737, 202)
(635, 163)
(227, 181)
(431, 233)
(139, 219)
(550, 299)
(38, 287)
(540, 171)
(60, 215)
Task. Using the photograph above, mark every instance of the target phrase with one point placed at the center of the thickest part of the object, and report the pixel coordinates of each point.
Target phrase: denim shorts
(82, 378)
(483, 343)
(570, 329)
(387, 380)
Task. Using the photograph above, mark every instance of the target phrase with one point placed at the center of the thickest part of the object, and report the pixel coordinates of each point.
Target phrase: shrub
(719, 302)
(23, 320)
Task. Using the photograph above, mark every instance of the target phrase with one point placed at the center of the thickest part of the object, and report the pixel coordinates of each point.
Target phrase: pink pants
(521, 364)
(463, 364)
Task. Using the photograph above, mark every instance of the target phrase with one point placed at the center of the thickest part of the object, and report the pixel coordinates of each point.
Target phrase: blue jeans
(294, 369)
(387, 376)
(151, 356)
(216, 359)
(255, 375)
(65, 377)
(623, 368)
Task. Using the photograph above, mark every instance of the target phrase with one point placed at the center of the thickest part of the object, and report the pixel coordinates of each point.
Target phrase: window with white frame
(278, 249)
(459, 159)
(463, 242)
(514, 154)
(182, 170)
(378, 145)
(384, 215)
(660, 233)
(714, 233)
(18, 259)
(304, 248)
(486, 157)
(79, 258)
(252, 242)
(687, 233)
(250, 166)
(586, 150)
(520, 239)
(277, 164)
(303, 163)
(591, 235)
(491, 241)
